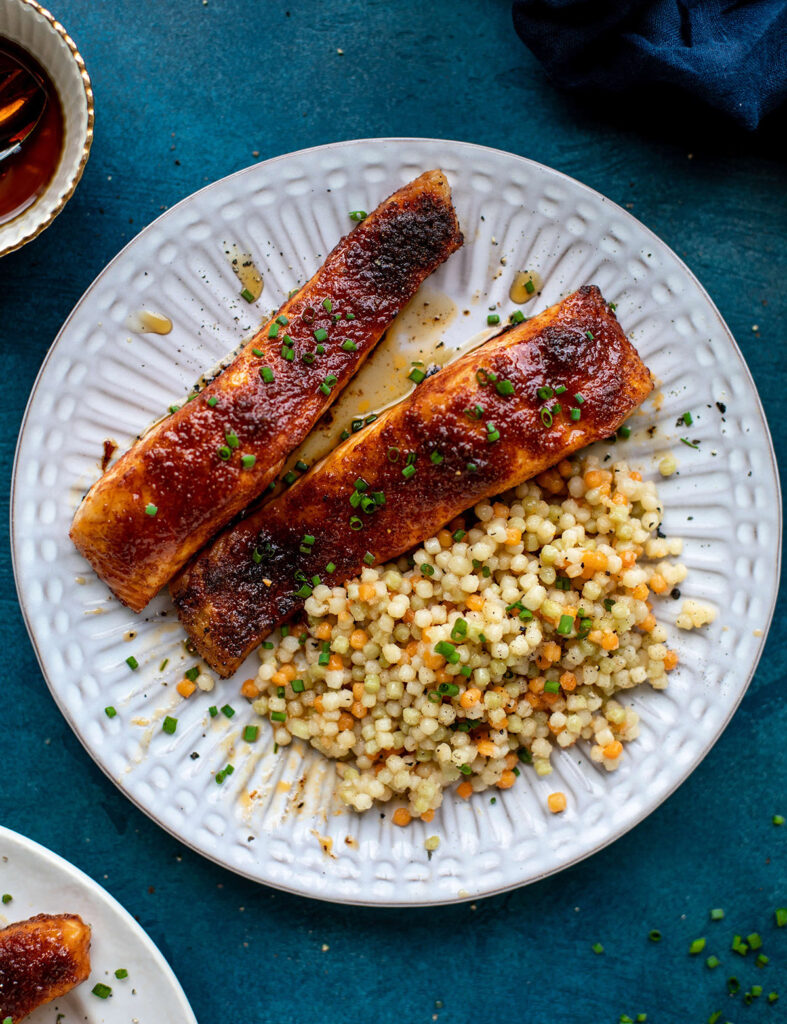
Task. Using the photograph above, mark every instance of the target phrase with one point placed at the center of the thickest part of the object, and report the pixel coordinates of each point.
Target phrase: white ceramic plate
(40, 882)
(270, 820)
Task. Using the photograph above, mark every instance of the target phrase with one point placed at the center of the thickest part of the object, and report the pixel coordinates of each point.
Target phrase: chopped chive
(575, 414)
(273, 330)
(257, 352)
(781, 917)
(459, 629)
(393, 454)
(457, 535)
(696, 946)
(465, 769)
(427, 570)
(778, 819)
(110, 712)
(174, 408)
(578, 398)
(282, 319)
(213, 401)
(754, 940)
(772, 997)
(448, 651)
(545, 392)
(348, 345)
(290, 477)
(517, 317)
(492, 435)
(232, 439)
(101, 990)
(690, 444)
(213, 711)
(358, 215)
(565, 625)
(132, 662)
(327, 305)
(368, 558)
(733, 985)
(408, 471)
(287, 341)
(493, 319)
(297, 685)
(546, 417)
(717, 914)
(349, 316)
(552, 686)
(712, 961)
(356, 523)
(529, 287)
(330, 567)
(224, 452)
(247, 295)
(597, 948)
(304, 591)
(504, 387)
(267, 374)
(687, 418)
(624, 432)
(169, 724)
(288, 354)
(256, 556)
(228, 711)
(654, 935)
(250, 733)
(247, 461)
(308, 358)
(320, 334)
(762, 960)
(416, 375)
(151, 509)
(472, 467)
(466, 671)
(589, 334)
(121, 973)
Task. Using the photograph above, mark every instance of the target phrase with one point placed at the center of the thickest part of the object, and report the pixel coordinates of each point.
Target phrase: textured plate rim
(98, 892)
(650, 806)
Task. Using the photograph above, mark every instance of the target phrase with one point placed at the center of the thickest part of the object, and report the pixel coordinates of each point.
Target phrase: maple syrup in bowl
(31, 130)
(46, 120)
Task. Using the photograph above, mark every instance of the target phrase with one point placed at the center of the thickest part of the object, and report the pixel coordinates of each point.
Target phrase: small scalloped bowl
(32, 27)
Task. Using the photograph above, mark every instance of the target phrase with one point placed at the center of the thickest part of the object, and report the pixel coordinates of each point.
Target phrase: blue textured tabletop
(189, 91)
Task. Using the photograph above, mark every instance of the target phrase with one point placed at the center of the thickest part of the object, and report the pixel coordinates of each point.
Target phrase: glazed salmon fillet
(416, 467)
(40, 960)
(197, 469)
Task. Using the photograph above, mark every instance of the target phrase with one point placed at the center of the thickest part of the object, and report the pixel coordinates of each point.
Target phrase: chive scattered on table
(132, 662)
(169, 725)
(101, 990)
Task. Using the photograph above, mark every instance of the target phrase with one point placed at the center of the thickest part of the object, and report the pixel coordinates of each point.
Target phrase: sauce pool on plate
(25, 175)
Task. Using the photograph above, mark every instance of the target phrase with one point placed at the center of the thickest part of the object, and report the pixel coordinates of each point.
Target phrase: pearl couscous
(511, 632)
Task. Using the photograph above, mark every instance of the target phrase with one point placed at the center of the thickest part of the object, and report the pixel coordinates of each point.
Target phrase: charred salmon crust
(198, 468)
(252, 577)
(40, 960)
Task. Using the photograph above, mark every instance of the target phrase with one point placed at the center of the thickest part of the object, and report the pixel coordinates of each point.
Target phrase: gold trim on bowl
(88, 88)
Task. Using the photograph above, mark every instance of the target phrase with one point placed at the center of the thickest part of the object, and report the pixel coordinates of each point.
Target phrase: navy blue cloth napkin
(733, 54)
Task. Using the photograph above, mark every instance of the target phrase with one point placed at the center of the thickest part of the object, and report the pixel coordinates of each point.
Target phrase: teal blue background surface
(187, 92)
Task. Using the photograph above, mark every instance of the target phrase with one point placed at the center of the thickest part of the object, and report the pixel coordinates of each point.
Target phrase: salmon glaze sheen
(198, 468)
(499, 415)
